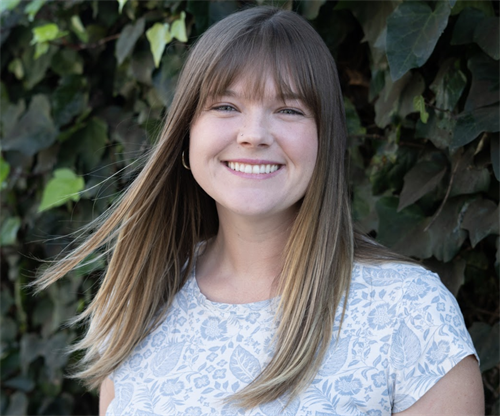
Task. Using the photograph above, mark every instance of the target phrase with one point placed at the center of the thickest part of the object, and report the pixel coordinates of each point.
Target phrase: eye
(291, 111)
(224, 108)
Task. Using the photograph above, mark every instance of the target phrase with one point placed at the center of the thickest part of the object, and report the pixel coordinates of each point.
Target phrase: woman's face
(254, 157)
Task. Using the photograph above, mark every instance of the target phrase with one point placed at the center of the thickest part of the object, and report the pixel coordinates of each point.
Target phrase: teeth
(254, 169)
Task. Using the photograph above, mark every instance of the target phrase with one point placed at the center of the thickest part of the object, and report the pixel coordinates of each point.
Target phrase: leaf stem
(80, 46)
(433, 219)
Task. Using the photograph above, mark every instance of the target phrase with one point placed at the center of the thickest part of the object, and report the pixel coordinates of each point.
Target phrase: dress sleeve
(429, 338)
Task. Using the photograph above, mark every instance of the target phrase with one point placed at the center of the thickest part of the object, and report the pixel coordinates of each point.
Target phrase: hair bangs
(267, 51)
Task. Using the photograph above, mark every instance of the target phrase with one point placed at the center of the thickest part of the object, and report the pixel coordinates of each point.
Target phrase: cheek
(305, 148)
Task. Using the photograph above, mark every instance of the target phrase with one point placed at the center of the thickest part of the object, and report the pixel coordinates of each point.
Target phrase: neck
(242, 263)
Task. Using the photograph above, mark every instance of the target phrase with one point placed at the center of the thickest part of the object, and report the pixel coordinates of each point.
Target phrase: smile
(255, 169)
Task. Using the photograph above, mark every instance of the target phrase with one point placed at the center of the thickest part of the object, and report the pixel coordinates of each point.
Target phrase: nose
(255, 130)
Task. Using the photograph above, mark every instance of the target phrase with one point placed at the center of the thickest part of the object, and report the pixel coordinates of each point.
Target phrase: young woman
(236, 284)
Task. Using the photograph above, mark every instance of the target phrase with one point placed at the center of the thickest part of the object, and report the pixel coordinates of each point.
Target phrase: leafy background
(84, 86)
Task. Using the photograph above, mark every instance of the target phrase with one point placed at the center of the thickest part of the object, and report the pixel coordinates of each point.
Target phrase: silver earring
(184, 161)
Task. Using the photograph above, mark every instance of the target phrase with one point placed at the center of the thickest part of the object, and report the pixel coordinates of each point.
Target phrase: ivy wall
(84, 87)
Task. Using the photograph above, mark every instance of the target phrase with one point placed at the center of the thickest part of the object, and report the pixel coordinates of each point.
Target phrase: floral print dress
(402, 332)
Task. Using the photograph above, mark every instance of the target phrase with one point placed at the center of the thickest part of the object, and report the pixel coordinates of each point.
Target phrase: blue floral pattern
(402, 332)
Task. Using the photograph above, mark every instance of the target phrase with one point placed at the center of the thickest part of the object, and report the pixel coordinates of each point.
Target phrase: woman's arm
(459, 392)
(107, 394)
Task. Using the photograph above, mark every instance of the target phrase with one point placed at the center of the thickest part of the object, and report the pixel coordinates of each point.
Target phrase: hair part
(148, 267)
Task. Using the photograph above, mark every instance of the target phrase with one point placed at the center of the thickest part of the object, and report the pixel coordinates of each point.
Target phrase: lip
(253, 162)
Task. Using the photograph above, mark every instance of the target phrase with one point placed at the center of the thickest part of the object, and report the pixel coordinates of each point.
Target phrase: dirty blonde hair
(151, 233)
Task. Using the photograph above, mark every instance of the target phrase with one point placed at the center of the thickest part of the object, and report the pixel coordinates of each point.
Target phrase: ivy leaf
(420, 180)
(393, 223)
(165, 79)
(66, 62)
(121, 3)
(91, 142)
(354, 126)
(18, 404)
(485, 82)
(158, 36)
(64, 187)
(448, 85)
(310, 8)
(42, 35)
(451, 274)
(495, 155)
(486, 35)
(446, 233)
(200, 11)
(41, 49)
(6, 5)
(69, 99)
(470, 124)
(33, 7)
(34, 66)
(387, 105)
(419, 105)
(486, 339)
(54, 360)
(23, 383)
(485, 6)
(128, 37)
(79, 29)
(439, 134)
(481, 220)
(178, 29)
(9, 116)
(8, 233)
(413, 30)
(34, 131)
(414, 88)
(46, 33)
(218, 10)
(469, 179)
(4, 172)
(404, 230)
(363, 207)
(466, 24)
(16, 68)
(373, 18)
(143, 65)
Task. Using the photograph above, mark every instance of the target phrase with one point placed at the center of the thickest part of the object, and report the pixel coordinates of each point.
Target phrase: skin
(256, 211)
(241, 263)
(106, 395)
(458, 393)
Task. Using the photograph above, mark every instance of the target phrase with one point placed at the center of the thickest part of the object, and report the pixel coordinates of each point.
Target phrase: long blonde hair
(150, 234)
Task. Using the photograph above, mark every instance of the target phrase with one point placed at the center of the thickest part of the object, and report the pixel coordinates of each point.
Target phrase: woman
(236, 284)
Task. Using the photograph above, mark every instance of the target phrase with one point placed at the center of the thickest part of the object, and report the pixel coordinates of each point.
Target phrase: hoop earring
(184, 161)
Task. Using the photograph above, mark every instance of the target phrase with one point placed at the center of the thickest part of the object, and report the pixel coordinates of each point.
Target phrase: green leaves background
(85, 85)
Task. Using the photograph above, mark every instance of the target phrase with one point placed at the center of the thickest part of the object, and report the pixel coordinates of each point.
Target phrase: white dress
(401, 333)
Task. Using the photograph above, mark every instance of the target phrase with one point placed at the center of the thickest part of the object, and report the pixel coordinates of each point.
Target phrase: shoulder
(417, 294)
(409, 309)
(404, 282)
(388, 273)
